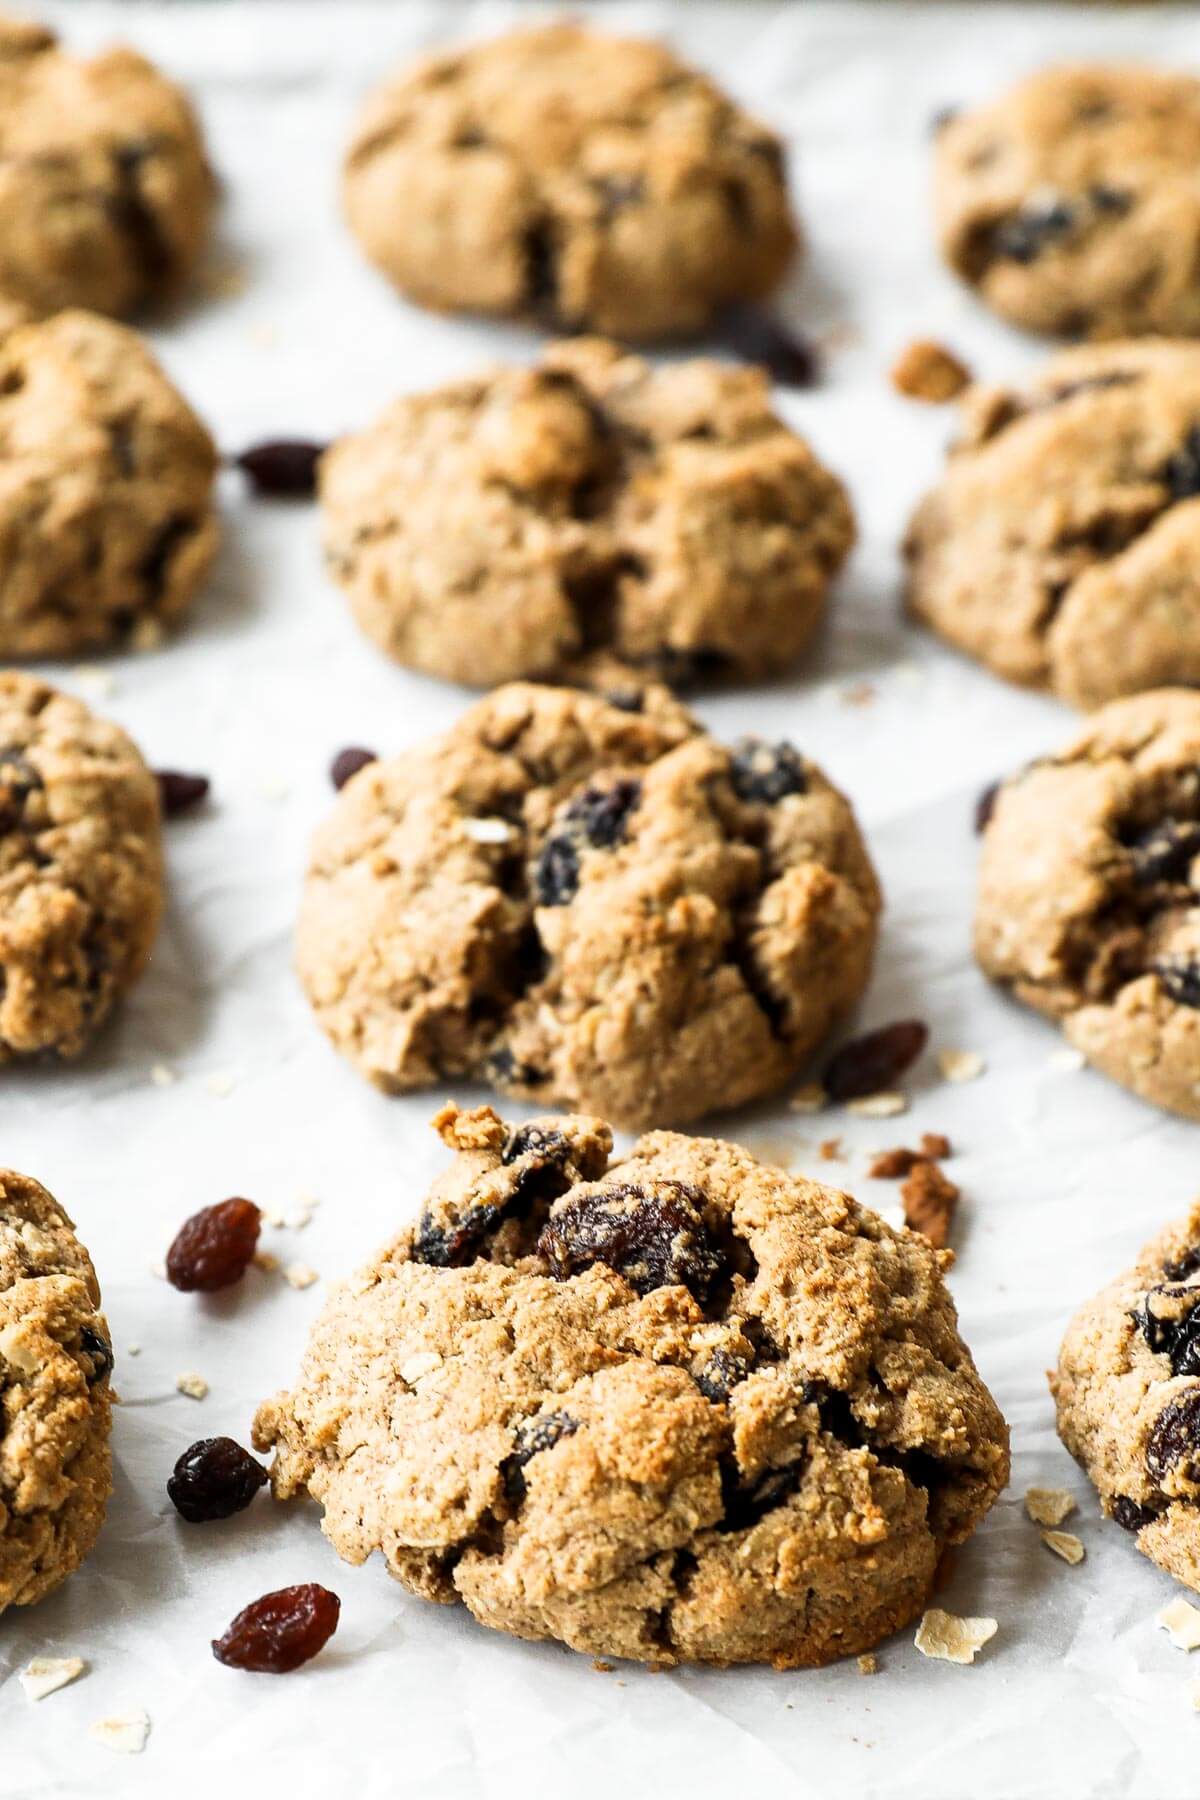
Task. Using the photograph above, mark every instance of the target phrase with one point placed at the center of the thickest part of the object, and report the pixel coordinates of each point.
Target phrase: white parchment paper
(1063, 1174)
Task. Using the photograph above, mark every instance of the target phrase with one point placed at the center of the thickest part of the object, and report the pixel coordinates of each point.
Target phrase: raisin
(603, 814)
(531, 1437)
(347, 763)
(874, 1061)
(985, 806)
(766, 772)
(628, 700)
(720, 1375)
(1180, 976)
(100, 1351)
(449, 1246)
(1107, 199)
(556, 875)
(213, 1248)
(1182, 471)
(543, 1140)
(654, 1239)
(1024, 236)
(616, 192)
(1169, 1320)
(157, 561)
(213, 1479)
(18, 779)
(1183, 1265)
(282, 468)
(541, 267)
(1164, 851)
(280, 1631)
(755, 337)
(135, 218)
(180, 793)
(1129, 1515)
(745, 1505)
(1175, 1439)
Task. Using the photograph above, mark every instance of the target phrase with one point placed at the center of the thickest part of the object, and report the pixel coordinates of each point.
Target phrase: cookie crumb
(133, 1349)
(1068, 1062)
(46, 1674)
(194, 1386)
(123, 1732)
(1065, 1544)
(300, 1275)
(809, 1099)
(1194, 1693)
(266, 1260)
(1049, 1506)
(950, 1639)
(859, 693)
(830, 1150)
(960, 1065)
(890, 1165)
(868, 1664)
(220, 1083)
(926, 370)
(1181, 1622)
(878, 1106)
(930, 1199)
(94, 680)
(162, 1076)
(601, 1667)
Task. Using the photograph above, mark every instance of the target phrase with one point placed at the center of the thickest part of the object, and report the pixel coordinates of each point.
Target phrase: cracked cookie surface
(595, 181)
(494, 528)
(1128, 1398)
(680, 1407)
(81, 872)
(1071, 203)
(1089, 893)
(587, 905)
(105, 192)
(55, 1400)
(1061, 547)
(107, 522)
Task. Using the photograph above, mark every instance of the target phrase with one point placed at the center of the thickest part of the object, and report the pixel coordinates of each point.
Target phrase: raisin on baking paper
(654, 1238)
(348, 762)
(179, 793)
(278, 1632)
(874, 1061)
(213, 1479)
(282, 468)
(214, 1248)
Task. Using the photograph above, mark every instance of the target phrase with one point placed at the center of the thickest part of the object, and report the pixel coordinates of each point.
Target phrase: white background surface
(1063, 1174)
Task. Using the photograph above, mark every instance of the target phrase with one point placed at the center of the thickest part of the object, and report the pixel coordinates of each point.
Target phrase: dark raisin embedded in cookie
(99, 1352)
(531, 1437)
(746, 1503)
(556, 875)
(1022, 237)
(1173, 1447)
(1182, 470)
(602, 814)
(1169, 1320)
(720, 1375)
(1164, 851)
(1180, 977)
(654, 1238)
(766, 772)
(1129, 1515)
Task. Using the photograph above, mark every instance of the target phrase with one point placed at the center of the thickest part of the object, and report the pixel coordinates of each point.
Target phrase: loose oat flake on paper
(46, 1674)
(950, 1639)
(1049, 1506)
(1181, 1622)
(123, 1732)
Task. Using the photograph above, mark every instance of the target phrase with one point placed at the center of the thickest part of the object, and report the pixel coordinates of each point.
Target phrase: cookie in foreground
(594, 181)
(494, 528)
(588, 906)
(107, 195)
(1061, 546)
(677, 1406)
(1070, 203)
(1127, 1391)
(1087, 906)
(81, 869)
(55, 1398)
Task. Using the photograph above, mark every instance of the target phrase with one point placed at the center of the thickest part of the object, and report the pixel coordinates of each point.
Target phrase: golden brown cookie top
(594, 179)
(661, 1405)
(55, 1401)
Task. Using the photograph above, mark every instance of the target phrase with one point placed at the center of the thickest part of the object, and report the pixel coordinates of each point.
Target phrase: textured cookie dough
(1071, 204)
(595, 181)
(107, 522)
(491, 529)
(81, 871)
(587, 906)
(1128, 1398)
(1089, 894)
(1062, 548)
(55, 1401)
(682, 1407)
(105, 193)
